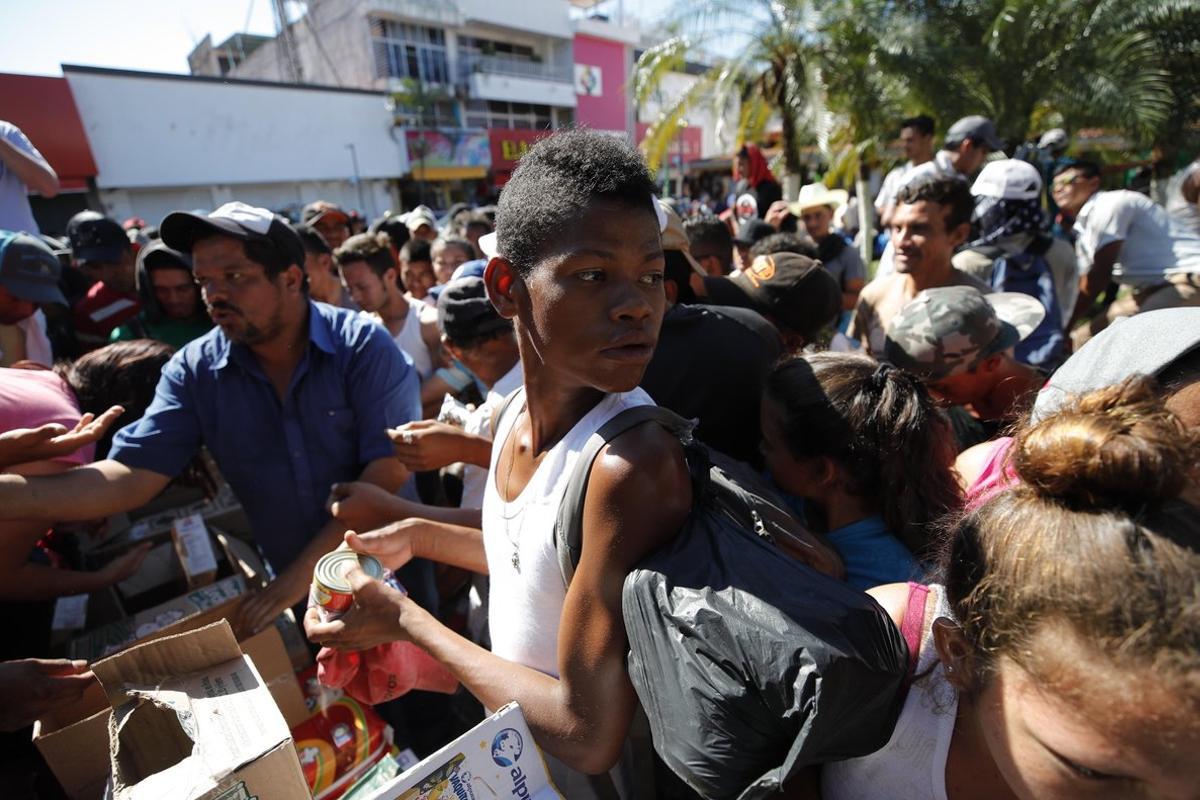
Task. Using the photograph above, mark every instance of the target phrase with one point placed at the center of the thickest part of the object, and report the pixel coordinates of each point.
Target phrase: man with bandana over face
(1013, 251)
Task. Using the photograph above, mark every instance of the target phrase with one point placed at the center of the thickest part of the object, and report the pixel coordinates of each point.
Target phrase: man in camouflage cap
(960, 343)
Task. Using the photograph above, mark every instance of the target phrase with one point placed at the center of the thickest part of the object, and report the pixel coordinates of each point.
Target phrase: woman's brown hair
(1092, 544)
(880, 424)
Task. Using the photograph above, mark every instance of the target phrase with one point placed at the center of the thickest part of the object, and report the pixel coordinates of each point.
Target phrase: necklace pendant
(516, 560)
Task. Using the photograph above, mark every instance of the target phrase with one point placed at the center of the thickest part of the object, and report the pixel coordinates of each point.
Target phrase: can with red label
(330, 589)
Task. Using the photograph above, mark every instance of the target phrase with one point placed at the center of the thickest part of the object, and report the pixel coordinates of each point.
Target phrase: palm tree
(1086, 62)
(777, 74)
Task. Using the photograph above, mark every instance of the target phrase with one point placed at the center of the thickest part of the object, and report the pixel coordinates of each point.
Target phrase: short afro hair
(950, 191)
(801, 244)
(415, 250)
(557, 180)
(710, 235)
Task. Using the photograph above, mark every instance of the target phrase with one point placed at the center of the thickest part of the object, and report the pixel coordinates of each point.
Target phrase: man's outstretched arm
(83, 493)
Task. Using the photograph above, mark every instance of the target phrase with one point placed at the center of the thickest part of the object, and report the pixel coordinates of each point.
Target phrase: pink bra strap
(913, 625)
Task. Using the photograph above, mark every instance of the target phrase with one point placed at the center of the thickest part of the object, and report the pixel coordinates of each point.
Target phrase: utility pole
(287, 41)
(357, 181)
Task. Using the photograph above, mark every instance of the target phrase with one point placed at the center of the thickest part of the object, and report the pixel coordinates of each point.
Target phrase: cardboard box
(496, 758)
(74, 740)
(74, 743)
(192, 719)
(195, 550)
(192, 610)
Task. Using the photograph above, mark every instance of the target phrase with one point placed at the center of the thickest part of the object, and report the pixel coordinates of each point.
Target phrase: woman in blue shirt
(871, 455)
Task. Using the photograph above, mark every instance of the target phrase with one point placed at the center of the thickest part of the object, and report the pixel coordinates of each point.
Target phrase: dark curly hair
(554, 184)
(122, 373)
(950, 191)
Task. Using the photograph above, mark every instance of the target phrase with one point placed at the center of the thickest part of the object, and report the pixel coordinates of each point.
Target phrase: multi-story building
(473, 82)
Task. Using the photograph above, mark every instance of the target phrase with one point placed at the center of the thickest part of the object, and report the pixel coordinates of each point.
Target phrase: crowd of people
(995, 433)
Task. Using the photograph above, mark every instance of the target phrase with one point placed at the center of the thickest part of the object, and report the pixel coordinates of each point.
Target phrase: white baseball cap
(1008, 179)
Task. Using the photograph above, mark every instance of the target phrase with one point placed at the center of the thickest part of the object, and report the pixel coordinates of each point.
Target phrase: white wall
(154, 204)
(514, 89)
(151, 131)
(540, 16)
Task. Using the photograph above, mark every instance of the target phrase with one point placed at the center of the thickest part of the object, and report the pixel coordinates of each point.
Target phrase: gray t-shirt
(845, 266)
(15, 213)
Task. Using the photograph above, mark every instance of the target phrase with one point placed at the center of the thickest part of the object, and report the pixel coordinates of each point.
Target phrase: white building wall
(148, 131)
(166, 143)
(154, 204)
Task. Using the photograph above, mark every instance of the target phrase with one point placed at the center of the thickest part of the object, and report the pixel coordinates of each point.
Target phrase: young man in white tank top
(580, 270)
(368, 270)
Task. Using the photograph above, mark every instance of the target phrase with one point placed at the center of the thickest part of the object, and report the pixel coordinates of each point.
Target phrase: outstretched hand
(31, 687)
(376, 616)
(428, 444)
(23, 445)
(360, 505)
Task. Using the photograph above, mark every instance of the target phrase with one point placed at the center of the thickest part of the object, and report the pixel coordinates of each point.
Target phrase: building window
(433, 114)
(517, 116)
(409, 51)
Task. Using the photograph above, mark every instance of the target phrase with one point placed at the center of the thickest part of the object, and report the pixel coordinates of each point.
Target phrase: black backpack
(749, 664)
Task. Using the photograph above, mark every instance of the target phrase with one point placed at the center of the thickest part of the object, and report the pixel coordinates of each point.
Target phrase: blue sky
(156, 35)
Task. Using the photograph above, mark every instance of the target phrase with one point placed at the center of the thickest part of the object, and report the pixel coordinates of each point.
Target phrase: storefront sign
(447, 153)
(509, 145)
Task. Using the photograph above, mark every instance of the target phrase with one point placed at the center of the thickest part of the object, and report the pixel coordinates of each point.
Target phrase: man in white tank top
(368, 270)
(579, 270)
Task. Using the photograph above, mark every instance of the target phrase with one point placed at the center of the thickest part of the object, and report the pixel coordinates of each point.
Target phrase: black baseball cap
(29, 269)
(181, 229)
(465, 312)
(794, 290)
(95, 237)
(752, 230)
(158, 254)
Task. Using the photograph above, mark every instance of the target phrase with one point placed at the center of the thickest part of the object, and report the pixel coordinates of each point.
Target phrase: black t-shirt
(710, 364)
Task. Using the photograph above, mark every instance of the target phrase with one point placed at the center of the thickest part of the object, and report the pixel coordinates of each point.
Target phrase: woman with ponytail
(1058, 655)
(869, 452)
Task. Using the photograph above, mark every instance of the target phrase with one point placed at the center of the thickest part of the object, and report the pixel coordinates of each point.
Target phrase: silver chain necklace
(507, 505)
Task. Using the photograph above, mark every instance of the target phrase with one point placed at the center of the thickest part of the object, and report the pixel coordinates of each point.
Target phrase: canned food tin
(330, 589)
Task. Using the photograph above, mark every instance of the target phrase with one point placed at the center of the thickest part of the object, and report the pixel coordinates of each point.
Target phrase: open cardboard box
(74, 741)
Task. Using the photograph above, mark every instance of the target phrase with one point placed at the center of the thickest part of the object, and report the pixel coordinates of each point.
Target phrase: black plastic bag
(750, 665)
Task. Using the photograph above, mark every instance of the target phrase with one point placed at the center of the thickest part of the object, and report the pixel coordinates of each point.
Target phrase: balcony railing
(521, 68)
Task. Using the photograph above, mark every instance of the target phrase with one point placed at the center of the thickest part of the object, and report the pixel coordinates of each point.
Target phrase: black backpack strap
(1040, 245)
(568, 527)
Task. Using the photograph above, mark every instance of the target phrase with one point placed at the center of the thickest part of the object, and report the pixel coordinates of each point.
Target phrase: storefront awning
(44, 109)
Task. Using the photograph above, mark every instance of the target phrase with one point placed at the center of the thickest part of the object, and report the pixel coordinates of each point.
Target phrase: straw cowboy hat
(814, 195)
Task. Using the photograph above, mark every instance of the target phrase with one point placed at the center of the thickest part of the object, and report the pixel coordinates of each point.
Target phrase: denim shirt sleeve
(385, 390)
(168, 434)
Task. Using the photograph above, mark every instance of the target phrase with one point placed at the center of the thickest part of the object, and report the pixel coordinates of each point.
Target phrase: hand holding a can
(377, 615)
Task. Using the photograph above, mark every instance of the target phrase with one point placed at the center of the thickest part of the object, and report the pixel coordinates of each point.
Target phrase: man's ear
(672, 290)
(828, 473)
(991, 363)
(501, 279)
(293, 278)
(955, 654)
(959, 234)
(391, 277)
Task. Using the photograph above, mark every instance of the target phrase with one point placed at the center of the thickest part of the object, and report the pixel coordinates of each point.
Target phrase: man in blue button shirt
(289, 396)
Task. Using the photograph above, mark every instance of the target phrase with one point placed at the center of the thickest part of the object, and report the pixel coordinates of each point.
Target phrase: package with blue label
(496, 759)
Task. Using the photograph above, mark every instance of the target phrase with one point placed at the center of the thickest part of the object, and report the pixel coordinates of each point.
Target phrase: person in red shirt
(101, 250)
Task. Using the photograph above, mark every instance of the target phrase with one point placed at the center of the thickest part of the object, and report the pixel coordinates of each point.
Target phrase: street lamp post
(357, 181)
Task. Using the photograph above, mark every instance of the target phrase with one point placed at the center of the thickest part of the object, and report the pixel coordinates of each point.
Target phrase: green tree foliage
(842, 72)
